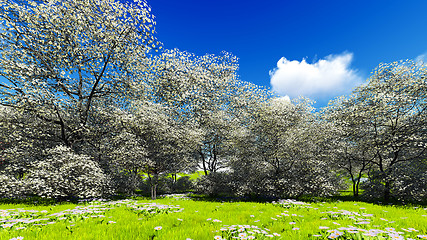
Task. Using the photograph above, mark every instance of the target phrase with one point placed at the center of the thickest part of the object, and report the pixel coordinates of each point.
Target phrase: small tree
(161, 143)
(392, 111)
(283, 154)
(346, 146)
(204, 92)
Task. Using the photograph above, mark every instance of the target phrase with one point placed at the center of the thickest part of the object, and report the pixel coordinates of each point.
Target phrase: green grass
(193, 176)
(206, 219)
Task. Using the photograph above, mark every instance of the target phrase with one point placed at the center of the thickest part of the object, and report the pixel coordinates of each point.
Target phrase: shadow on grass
(376, 201)
(306, 198)
(33, 201)
(343, 197)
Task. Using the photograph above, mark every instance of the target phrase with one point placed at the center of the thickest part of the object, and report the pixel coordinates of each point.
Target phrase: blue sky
(320, 49)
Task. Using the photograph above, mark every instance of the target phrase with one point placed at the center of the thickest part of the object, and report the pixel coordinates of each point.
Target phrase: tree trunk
(154, 192)
(355, 183)
(355, 190)
(153, 185)
(356, 193)
(203, 162)
(204, 166)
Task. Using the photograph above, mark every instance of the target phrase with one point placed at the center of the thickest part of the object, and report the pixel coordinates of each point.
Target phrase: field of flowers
(179, 217)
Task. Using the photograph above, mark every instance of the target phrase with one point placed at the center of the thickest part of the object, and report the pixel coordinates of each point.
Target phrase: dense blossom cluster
(61, 174)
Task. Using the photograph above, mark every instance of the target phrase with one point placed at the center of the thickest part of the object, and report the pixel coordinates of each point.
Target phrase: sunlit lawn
(176, 218)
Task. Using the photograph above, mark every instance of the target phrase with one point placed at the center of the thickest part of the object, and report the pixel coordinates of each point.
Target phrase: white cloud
(330, 76)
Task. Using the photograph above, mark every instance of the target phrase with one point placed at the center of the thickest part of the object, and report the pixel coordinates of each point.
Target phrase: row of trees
(87, 110)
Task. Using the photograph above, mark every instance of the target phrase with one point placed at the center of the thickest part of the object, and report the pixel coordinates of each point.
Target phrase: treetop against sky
(314, 48)
(317, 49)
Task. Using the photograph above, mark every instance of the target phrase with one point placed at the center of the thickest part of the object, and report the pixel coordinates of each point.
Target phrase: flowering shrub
(412, 181)
(11, 187)
(214, 183)
(123, 182)
(409, 182)
(66, 174)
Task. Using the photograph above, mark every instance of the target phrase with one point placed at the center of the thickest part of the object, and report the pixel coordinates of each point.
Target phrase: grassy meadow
(179, 217)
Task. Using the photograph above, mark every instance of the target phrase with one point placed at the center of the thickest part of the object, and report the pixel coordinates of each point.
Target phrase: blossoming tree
(59, 56)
